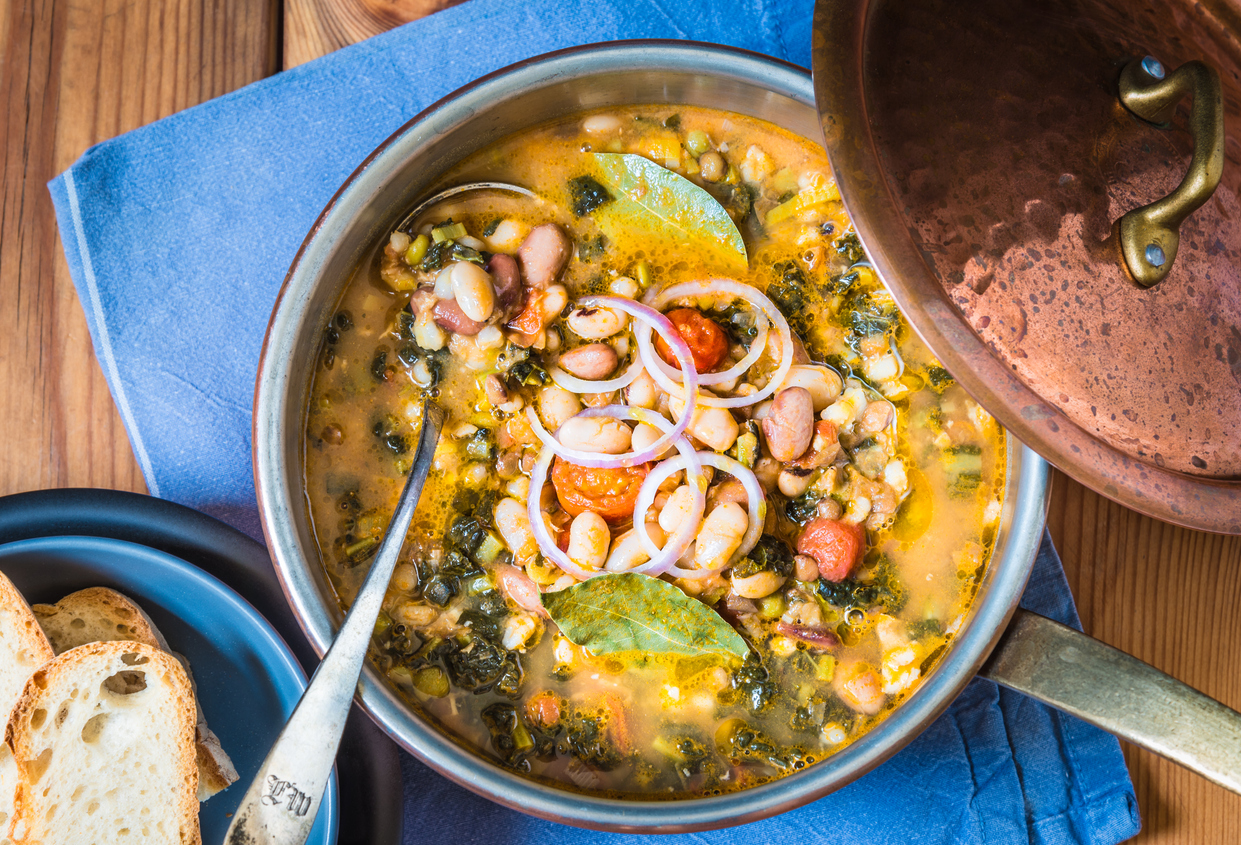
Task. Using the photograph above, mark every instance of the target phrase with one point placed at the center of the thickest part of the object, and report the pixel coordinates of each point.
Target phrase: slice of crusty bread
(96, 615)
(103, 738)
(99, 614)
(23, 647)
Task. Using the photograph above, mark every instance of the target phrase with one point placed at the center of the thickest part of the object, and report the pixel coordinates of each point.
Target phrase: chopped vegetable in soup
(705, 509)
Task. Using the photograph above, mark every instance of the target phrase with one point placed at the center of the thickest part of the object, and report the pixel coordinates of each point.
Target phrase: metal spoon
(447, 193)
(283, 799)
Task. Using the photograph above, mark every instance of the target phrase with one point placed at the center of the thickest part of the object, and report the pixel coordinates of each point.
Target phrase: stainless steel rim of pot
(386, 184)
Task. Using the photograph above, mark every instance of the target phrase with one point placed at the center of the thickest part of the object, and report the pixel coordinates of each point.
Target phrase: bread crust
(23, 647)
(108, 616)
(91, 666)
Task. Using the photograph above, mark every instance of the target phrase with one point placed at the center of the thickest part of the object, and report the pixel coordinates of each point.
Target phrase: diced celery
(489, 549)
(448, 232)
(806, 199)
(825, 667)
(382, 623)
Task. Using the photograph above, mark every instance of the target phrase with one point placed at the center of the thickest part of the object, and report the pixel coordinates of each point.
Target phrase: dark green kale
(529, 372)
(802, 509)
(737, 199)
(864, 315)
(482, 666)
(592, 249)
(586, 738)
(745, 743)
(753, 682)
(672, 121)
(769, 553)
(586, 194)
(923, 628)
(481, 445)
(688, 752)
(444, 252)
(510, 737)
(790, 293)
(883, 588)
(490, 228)
(440, 589)
(938, 376)
(849, 248)
(480, 623)
(387, 431)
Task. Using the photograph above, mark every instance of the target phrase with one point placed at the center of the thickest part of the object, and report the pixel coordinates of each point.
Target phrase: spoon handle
(283, 799)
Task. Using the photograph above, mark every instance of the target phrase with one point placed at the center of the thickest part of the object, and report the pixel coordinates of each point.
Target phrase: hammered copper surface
(984, 154)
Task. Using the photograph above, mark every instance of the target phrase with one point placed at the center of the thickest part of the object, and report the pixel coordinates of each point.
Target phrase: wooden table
(76, 74)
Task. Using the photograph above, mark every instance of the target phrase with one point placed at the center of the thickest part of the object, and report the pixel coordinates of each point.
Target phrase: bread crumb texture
(103, 744)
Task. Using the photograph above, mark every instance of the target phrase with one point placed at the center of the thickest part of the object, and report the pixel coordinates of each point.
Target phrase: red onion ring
(646, 349)
(680, 348)
(757, 511)
(580, 385)
(538, 478)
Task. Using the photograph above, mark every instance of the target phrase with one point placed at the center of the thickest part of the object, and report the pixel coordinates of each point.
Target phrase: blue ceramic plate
(248, 681)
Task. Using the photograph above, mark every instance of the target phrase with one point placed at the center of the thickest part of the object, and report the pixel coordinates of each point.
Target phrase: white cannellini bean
(720, 535)
(422, 373)
(489, 338)
(443, 283)
(557, 405)
(644, 435)
(642, 391)
(555, 298)
(844, 411)
(519, 629)
(626, 287)
(415, 615)
(428, 335)
(472, 242)
(596, 323)
(404, 578)
(757, 586)
(513, 522)
(823, 383)
(589, 539)
(756, 166)
(596, 434)
(792, 484)
(677, 509)
(715, 427)
(519, 487)
(472, 288)
(882, 368)
(507, 237)
(601, 124)
(628, 552)
(399, 241)
(894, 475)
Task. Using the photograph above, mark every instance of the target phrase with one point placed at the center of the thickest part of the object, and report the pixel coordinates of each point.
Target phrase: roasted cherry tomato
(611, 493)
(707, 342)
(836, 546)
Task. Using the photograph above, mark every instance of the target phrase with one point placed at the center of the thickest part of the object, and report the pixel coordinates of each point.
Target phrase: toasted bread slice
(99, 614)
(103, 739)
(8, 788)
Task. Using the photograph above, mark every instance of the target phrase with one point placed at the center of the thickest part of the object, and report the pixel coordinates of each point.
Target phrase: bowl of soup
(710, 531)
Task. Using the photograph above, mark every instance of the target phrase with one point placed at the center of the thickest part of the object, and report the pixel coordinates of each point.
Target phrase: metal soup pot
(1033, 654)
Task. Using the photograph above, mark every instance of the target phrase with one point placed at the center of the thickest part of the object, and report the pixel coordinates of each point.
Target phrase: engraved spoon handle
(283, 799)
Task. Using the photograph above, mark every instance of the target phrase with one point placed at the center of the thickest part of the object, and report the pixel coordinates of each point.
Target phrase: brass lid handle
(1150, 235)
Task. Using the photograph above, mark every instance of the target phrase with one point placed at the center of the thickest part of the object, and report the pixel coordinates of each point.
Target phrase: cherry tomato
(611, 493)
(836, 546)
(530, 320)
(707, 342)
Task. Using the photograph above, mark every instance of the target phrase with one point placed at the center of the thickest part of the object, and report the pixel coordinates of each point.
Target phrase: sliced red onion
(627, 459)
(538, 478)
(646, 349)
(547, 545)
(757, 510)
(658, 299)
(581, 385)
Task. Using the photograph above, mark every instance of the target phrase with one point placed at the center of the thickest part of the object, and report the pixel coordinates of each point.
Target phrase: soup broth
(576, 607)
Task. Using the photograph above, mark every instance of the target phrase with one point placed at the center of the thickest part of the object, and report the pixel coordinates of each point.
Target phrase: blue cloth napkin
(178, 236)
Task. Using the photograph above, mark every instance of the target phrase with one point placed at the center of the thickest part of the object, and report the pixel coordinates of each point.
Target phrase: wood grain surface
(76, 74)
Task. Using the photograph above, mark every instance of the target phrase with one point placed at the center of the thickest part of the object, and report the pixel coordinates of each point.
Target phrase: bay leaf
(627, 612)
(667, 205)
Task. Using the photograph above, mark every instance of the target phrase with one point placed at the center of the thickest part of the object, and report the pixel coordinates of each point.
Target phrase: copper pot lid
(986, 157)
